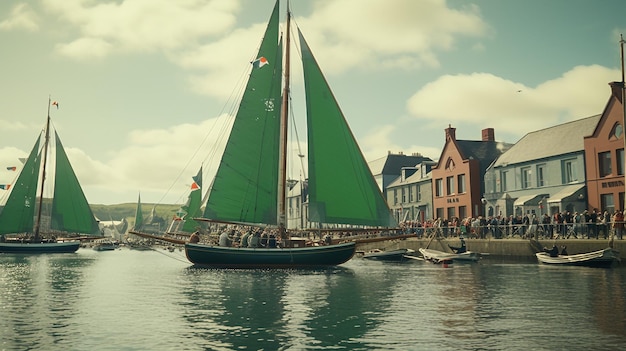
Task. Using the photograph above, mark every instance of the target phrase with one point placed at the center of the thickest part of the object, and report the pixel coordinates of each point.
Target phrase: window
(439, 187)
(450, 185)
(525, 177)
(541, 170)
(569, 171)
(451, 212)
(620, 161)
(403, 195)
(395, 196)
(606, 203)
(462, 212)
(419, 193)
(604, 163)
(503, 177)
(411, 197)
(461, 181)
(439, 212)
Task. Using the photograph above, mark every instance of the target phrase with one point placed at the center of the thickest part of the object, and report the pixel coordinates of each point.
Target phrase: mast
(621, 43)
(284, 113)
(43, 174)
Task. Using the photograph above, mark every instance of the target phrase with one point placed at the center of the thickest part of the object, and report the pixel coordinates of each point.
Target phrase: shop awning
(568, 193)
(529, 200)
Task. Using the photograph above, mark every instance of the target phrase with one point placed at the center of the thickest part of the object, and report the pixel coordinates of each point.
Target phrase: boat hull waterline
(602, 258)
(28, 248)
(301, 257)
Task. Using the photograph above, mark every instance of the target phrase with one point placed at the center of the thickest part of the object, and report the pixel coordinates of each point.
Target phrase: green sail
(70, 209)
(138, 215)
(341, 189)
(192, 207)
(245, 185)
(17, 216)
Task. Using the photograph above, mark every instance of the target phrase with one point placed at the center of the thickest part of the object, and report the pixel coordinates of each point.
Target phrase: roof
(557, 140)
(392, 164)
(484, 151)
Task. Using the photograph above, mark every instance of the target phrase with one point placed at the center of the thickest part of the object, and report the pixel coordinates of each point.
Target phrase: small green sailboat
(30, 223)
(250, 185)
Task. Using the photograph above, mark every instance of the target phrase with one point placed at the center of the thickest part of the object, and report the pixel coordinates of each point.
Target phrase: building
(458, 176)
(604, 155)
(388, 168)
(410, 196)
(544, 172)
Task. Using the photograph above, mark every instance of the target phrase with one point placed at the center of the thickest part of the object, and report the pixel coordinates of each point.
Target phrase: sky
(146, 87)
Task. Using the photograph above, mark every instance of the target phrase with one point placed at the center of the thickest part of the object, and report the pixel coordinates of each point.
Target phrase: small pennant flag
(54, 103)
(5, 186)
(13, 168)
(260, 62)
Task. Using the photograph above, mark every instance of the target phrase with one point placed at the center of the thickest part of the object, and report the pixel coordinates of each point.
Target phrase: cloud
(22, 16)
(377, 34)
(142, 25)
(486, 99)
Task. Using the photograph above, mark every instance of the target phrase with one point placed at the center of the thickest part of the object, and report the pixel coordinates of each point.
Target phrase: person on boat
(264, 239)
(328, 239)
(459, 249)
(563, 250)
(244, 239)
(253, 239)
(224, 239)
(271, 241)
(194, 238)
(553, 252)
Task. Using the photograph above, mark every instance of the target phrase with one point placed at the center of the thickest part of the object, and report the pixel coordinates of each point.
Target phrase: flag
(54, 103)
(5, 186)
(260, 62)
(13, 168)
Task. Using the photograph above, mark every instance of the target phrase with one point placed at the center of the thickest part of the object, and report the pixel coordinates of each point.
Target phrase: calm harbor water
(155, 300)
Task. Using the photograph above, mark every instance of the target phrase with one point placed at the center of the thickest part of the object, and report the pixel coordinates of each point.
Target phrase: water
(155, 300)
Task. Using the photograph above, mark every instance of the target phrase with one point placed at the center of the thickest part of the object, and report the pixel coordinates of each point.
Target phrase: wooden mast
(43, 175)
(284, 113)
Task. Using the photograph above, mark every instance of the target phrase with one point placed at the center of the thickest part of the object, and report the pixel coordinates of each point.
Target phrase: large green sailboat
(250, 184)
(31, 223)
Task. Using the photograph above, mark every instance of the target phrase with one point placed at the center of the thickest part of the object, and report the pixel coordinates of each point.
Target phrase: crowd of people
(591, 224)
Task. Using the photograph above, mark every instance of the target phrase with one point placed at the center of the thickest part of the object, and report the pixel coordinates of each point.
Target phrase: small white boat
(601, 258)
(391, 255)
(437, 256)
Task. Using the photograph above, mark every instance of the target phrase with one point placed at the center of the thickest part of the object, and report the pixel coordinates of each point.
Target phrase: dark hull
(37, 248)
(300, 257)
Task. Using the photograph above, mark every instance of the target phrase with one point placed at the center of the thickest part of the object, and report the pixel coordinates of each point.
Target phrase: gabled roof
(392, 164)
(558, 140)
(484, 151)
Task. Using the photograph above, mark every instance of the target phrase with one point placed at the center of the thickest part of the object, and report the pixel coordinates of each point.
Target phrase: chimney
(616, 89)
(489, 134)
(450, 133)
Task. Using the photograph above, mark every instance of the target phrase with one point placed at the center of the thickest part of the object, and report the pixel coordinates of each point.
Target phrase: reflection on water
(129, 300)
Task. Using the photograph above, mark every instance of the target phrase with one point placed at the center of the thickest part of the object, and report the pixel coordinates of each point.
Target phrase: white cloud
(485, 99)
(22, 16)
(377, 33)
(143, 25)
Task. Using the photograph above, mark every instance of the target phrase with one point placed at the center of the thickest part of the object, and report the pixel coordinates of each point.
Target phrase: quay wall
(512, 248)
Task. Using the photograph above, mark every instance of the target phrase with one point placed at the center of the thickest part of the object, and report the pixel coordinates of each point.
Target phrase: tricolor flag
(54, 103)
(13, 168)
(260, 62)
(5, 186)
